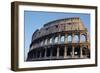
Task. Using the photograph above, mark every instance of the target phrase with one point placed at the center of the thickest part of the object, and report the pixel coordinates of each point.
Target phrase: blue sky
(36, 19)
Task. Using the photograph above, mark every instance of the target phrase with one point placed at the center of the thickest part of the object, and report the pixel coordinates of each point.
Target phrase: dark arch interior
(69, 50)
(77, 51)
(54, 51)
(42, 52)
(61, 51)
(48, 52)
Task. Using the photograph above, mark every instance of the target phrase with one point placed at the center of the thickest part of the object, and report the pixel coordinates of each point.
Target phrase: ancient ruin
(60, 39)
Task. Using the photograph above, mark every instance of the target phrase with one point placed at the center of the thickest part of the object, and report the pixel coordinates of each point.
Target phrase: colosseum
(60, 39)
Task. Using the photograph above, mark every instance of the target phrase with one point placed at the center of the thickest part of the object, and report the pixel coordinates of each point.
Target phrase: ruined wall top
(66, 24)
(64, 20)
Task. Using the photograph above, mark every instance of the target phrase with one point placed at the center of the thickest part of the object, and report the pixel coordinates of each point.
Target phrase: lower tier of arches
(59, 52)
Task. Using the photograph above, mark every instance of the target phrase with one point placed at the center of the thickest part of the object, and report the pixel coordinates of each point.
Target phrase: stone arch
(61, 51)
(42, 43)
(50, 40)
(86, 52)
(55, 39)
(69, 50)
(48, 52)
(83, 38)
(69, 38)
(38, 53)
(45, 42)
(62, 39)
(54, 51)
(77, 51)
(30, 55)
(76, 38)
(42, 52)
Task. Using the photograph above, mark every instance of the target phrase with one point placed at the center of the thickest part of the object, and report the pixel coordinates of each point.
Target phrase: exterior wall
(44, 47)
(68, 24)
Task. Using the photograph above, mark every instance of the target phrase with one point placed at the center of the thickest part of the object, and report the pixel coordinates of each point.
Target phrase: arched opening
(50, 40)
(83, 38)
(30, 56)
(54, 51)
(69, 50)
(61, 51)
(42, 43)
(38, 53)
(56, 40)
(48, 52)
(45, 42)
(77, 51)
(86, 52)
(69, 38)
(76, 38)
(34, 53)
(42, 52)
(62, 39)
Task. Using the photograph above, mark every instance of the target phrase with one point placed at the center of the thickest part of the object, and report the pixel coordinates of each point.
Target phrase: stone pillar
(72, 38)
(81, 54)
(43, 42)
(51, 53)
(73, 51)
(53, 39)
(59, 38)
(87, 37)
(58, 52)
(48, 41)
(35, 53)
(45, 53)
(80, 38)
(66, 38)
(40, 54)
(65, 52)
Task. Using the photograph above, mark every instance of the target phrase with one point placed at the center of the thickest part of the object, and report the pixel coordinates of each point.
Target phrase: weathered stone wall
(52, 41)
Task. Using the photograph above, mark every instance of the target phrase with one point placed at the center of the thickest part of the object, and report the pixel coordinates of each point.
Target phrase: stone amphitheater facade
(56, 40)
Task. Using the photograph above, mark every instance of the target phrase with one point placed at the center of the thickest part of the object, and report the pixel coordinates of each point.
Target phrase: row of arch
(59, 52)
(69, 39)
(65, 39)
(61, 39)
